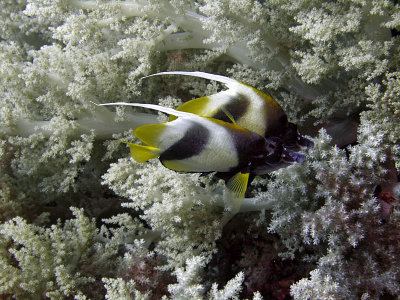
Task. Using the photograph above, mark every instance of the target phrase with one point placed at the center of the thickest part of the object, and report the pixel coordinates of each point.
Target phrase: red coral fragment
(385, 198)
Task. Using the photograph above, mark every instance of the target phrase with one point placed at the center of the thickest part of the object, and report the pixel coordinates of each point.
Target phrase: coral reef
(81, 220)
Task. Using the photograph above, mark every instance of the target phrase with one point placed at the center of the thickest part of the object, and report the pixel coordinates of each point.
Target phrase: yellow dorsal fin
(150, 134)
(196, 106)
(238, 185)
(142, 153)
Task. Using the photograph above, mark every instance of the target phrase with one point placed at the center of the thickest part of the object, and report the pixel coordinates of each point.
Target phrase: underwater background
(81, 220)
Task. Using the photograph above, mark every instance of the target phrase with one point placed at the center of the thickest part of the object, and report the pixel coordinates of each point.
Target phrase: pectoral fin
(229, 115)
(142, 153)
(238, 185)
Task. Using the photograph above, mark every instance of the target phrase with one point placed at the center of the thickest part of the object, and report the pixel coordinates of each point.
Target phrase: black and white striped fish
(192, 143)
(249, 107)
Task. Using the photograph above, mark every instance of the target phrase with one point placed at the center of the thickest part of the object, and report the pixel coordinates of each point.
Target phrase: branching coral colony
(81, 220)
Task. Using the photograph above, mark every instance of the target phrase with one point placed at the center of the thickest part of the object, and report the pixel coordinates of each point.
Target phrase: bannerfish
(249, 107)
(192, 143)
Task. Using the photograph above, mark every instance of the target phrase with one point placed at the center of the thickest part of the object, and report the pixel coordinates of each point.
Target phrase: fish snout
(305, 143)
(293, 157)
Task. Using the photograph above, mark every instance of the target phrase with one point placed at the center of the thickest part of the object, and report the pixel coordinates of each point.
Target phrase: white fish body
(251, 108)
(194, 144)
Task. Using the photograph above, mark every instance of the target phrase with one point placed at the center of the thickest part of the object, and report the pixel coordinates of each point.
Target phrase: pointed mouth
(287, 158)
(301, 144)
(305, 143)
(292, 157)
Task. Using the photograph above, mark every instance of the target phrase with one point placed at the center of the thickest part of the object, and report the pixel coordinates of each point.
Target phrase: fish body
(250, 108)
(192, 143)
(203, 145)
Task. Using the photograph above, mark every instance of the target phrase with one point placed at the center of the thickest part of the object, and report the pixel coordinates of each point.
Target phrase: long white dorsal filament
(230, 82)
(166, 110)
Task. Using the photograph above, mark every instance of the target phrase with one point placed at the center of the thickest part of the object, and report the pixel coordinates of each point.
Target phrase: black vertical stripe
(236, 106)
(277, 124)
(191, 144)
(247, 145)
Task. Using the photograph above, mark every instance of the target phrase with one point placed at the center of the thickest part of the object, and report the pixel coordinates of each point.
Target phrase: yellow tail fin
(142, 153)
